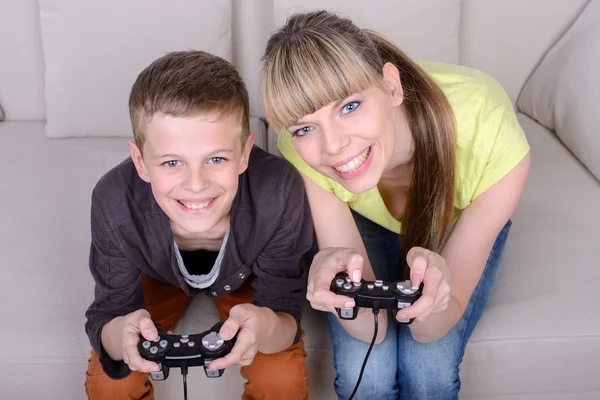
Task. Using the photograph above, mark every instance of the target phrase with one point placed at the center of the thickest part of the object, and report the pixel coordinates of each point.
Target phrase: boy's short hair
(188, 83)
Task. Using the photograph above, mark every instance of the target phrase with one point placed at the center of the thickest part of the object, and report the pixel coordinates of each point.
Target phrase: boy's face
(192, 164)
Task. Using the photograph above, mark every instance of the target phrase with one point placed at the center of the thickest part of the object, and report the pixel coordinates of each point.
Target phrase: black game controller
(185, 350)
(390, 295)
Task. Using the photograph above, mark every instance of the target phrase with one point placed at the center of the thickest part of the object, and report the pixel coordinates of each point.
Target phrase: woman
(401, 162)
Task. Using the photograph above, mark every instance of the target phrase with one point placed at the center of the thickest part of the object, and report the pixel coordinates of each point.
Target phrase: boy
(197, 209)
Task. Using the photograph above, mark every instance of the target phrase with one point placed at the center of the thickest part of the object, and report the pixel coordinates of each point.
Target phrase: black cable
(362, 369)
(184, 371)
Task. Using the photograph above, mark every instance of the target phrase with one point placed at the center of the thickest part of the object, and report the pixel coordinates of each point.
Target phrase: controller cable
(362, 369)
(184, 371)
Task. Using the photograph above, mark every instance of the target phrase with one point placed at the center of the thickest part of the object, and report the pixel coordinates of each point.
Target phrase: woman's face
(355, 140)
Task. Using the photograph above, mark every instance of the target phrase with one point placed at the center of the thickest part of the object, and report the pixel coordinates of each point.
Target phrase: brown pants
(270, 376)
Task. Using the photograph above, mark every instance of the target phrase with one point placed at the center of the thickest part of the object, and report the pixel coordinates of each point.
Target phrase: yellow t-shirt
(489, 142)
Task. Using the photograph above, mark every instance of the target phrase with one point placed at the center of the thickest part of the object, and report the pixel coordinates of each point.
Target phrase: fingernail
(226, 334)
(417, 279)
(149, 334)
(349, 304)
(356, 276)
(402, 316)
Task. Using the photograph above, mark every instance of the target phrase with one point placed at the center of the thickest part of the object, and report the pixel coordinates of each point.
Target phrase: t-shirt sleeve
(507, 147)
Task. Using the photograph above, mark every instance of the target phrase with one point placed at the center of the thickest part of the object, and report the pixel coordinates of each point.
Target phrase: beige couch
(66, 68)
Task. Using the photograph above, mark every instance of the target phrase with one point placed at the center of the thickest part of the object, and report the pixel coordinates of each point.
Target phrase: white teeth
(355, 163)
(197, 206)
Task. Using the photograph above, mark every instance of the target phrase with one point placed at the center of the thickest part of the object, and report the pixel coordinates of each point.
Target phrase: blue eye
(217, 160)
(348, 108)
(172, 163)
(302, 131)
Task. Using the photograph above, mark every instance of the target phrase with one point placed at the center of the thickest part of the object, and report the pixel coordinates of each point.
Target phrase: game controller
(389, 295)
(170, 351)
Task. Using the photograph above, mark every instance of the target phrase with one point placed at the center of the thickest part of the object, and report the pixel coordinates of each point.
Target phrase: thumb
(147, 328)
(354, 265)
(231, 326)
(417, 259)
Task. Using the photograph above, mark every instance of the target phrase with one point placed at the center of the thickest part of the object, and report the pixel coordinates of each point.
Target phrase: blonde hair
(188, 83)
(318, 58)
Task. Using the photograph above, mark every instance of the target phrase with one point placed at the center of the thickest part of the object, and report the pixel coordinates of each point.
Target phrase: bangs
(303, 77)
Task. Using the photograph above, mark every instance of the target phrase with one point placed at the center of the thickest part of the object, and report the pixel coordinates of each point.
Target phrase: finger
(242, 345)
(430, 293)
(147, 328)
(328, 299)
(417, 260)
(319, 307)
(132, 358)
(231, 326)
(354, 265)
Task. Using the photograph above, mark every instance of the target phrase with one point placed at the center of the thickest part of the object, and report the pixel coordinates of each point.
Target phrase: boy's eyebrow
(168, 155)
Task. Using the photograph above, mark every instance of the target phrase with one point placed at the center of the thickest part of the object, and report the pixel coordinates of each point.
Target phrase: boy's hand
(252, 324)
(120, 338)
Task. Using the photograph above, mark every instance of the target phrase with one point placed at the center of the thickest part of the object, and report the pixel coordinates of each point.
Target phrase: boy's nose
(195, 182)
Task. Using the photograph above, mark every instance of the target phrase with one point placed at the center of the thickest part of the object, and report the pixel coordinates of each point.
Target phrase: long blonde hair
(318, 58)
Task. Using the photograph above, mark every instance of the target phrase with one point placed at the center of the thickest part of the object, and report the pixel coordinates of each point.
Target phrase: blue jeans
(400, 367)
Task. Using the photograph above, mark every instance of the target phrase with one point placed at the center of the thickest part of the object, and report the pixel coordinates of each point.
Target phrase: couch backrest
(505, 38)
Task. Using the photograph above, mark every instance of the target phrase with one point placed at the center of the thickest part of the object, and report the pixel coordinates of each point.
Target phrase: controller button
(348, 280)
(339, 282)
(357, 284)
(191, 344)
(402, 304)
(385, 287)
(163, 343)
(153, 349)
(184, 340)
(227, 287)
(346, 313)
(347, 286)
(370, 286)
(406, 287)
(156, 340)
(379, 283)
(212, 341)
(176, 344)
(146, 345)
(185, 335)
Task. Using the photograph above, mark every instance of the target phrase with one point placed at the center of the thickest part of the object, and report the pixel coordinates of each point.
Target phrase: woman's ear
(391, 78)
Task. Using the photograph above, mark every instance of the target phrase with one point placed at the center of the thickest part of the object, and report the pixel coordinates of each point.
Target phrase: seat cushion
(563, 92)
(541, 331)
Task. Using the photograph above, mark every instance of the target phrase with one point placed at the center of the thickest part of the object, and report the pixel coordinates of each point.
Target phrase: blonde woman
(420, 165)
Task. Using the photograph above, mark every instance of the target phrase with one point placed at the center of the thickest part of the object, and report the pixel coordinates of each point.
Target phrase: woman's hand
(430, 268)
(325, 266)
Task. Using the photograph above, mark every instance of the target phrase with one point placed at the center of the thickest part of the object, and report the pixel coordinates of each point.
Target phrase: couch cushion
(563, 93)
(22, 65)
(541, 332)
(425, 30)
(507, 40)
(89, 72)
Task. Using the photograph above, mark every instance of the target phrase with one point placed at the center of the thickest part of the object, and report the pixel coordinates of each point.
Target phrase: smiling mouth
(196, 206)
(355, 162)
